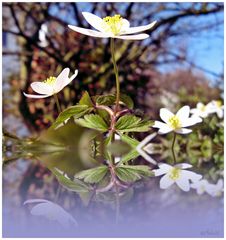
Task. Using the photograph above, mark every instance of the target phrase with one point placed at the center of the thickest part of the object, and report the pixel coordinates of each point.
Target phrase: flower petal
(183, 113)
(165, 114)
(42, 88)
(74, 75)
(166, 182)
(191, 121)
(42, 209)
(183, 131)
(133, 37)
(94, 21)
(165, 129)
(159, 124)
(220, 183)
(183, 183)
(140, 28)
(220, 113)
(194, 177)
(163, 169)
(38, 200)
(165, 166)
(36, 96)
(125, 26)
(183, 165)
(200, 105)
(63, 79)
(89, 32)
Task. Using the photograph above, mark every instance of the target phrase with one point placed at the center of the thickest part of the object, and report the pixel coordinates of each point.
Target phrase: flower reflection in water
(105, 186)
(51, 211)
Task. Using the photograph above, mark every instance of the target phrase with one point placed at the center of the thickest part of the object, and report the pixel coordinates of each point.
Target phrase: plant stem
(172, 148)
(174, 140)
(116, 75)
(57, 103)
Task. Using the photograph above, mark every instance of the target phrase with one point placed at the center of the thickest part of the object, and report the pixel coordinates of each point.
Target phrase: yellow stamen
(113, 24)
(203, 108)
(175, 122)
(218, 103)
(50, 80)
(175, 173)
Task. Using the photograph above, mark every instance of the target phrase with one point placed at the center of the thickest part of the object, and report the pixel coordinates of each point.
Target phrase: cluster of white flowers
(178, 123)
(204, 111)
(202, 186)
(181, 120)
(186, 180)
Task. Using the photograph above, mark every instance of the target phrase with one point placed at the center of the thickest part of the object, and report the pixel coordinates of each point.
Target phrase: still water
(45, 167)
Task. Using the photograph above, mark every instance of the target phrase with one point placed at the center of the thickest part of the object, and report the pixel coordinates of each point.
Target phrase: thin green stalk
(116, 74)
(57, 103)
(174, 140)
(172, 147)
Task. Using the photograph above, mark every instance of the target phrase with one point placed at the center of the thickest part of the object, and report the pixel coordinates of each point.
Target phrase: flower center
(175, 122)
(218, 103)
(50, 80)
(202, 188)
(113, 24)
(175, 173)
(203, 108)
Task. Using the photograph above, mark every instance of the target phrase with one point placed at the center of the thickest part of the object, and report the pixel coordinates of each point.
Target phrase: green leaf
(131, 155)
(65, 181)
(127, 100)
(93, 175)
(105, 100)
(109, 100)
(86, 100)
(131, 141)
(93, 121)
(129, 173)
(131, 123)
(76, 111)
(104, 114)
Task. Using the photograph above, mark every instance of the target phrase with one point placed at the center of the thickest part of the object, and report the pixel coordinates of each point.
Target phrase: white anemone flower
(52, 85)
(112, 27)
(201, 186)
(216, 190)
(51, 211)
(176, 122)
(176, 174)
(217, 107)
(201, 110)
